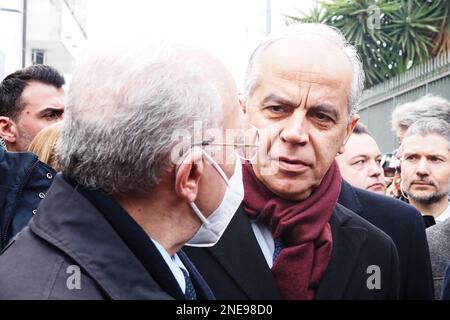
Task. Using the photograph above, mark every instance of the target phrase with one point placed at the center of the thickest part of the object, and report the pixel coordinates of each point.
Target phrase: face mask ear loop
(199, 214)
(216, 166)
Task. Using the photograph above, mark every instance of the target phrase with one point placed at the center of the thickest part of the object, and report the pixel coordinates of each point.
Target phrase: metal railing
(378, 102)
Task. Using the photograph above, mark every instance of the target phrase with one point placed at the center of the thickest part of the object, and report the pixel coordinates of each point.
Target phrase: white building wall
(11, 22)
(51, 27)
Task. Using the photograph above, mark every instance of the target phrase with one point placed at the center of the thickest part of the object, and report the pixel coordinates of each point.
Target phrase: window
(38, 56)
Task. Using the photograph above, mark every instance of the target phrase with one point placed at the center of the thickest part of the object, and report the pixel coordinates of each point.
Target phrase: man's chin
(288, 189)
(425, 197)
(377, 188)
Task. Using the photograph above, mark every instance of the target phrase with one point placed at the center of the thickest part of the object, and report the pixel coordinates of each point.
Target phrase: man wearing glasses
(131, 193)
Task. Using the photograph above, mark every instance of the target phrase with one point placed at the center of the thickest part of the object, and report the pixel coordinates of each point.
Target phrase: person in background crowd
(360, 164)
(446, 284)
(426, 107)
(291, 239)
(361, 167)
(438, 240)
(30, 100)
(131, 194)
(44, 144)
(403, 116)
(425, 167)
(426, 182)
(24, 180)
(389, 163)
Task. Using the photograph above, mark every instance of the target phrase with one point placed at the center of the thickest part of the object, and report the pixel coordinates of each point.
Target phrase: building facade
(52, 32)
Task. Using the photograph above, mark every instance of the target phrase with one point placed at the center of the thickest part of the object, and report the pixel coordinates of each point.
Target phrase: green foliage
(391, 35)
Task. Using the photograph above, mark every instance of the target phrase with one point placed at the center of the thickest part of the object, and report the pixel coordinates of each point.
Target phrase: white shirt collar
(265, 240)
(444, 215)
(174, 264)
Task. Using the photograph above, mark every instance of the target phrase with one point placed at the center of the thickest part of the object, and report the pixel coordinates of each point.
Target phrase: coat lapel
(349, 199)
(348, 241)
(240, 255)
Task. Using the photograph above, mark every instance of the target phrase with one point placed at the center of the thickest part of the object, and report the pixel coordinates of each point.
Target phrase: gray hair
(428, 106)
(124, 104)
(252, 78)
(430, 126)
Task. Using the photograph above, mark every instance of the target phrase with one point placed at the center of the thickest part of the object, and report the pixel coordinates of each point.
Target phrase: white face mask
(214, 226)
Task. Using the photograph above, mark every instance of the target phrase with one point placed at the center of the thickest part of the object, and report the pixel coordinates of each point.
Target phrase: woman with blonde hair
(44, 144)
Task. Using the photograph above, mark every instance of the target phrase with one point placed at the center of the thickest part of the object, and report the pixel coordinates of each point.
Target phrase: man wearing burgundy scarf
(291, 239)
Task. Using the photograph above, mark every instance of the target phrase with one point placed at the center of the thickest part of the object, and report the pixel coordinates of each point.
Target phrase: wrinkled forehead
(307, 59)
(428, 144)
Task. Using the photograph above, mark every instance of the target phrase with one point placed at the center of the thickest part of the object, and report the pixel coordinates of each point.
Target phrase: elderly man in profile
(112, 225)
(291, 239)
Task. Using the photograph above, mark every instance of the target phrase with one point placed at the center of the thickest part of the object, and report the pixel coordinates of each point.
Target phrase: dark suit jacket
(235, 268)
(404, 224)
(88, 230)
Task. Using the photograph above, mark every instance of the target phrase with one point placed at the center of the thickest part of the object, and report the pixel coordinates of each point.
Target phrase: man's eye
(358, 163)
(53, 115)
(322, 117)
(276, 109)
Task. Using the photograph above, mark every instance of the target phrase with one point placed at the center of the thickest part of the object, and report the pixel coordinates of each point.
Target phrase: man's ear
(188, 175)
(351, 125)
(8, 130)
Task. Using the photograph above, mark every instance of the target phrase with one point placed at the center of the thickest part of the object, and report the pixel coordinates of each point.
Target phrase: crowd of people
(153, 177)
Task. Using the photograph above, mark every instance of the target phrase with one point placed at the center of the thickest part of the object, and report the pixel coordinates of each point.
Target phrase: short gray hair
(430, 126)
(124, 103)
(297, 31)
(428, 106)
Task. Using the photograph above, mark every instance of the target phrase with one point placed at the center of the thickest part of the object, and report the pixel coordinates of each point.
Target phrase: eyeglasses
(246, 145)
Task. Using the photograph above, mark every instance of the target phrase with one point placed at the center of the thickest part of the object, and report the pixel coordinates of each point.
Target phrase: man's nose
(375, 169)
(422, 167)
(294, 130)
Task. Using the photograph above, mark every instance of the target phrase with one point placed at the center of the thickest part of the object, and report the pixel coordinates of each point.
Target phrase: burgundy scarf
(302, 225)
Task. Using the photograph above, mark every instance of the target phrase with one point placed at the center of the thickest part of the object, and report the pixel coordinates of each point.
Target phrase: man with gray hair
(428, 106)
(425, 170)
(291, 239)
(425, 167)
(131, 194)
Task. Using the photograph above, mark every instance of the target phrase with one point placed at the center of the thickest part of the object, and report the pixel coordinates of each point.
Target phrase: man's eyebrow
(359, 156)
(273, 98)
(51, 109)
(405, 154)
(326, 108)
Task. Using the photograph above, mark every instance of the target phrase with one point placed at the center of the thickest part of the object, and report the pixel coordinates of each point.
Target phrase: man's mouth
(292, 164)
(377, 185)
(422, 183)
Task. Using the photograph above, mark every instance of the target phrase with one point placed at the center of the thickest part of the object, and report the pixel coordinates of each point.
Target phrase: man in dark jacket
(24, 180)
(291, 239)
(131, 194)
(404, 224)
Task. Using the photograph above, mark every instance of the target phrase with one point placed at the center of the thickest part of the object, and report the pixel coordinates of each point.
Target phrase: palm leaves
(391, 36)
